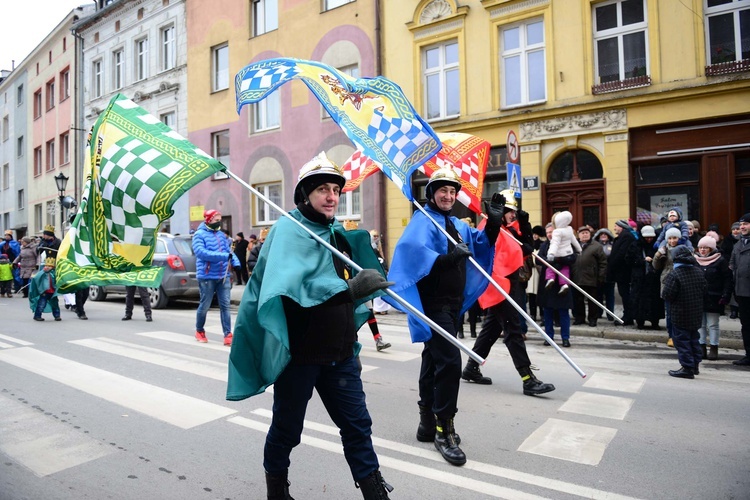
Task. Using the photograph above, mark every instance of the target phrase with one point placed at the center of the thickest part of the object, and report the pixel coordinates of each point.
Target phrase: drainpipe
(381, 217)
(78, 118)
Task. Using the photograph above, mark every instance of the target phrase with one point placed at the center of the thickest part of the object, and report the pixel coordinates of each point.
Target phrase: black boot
(446, 443)
(683, 372)
(426, 429)
(277, 487)
(374, 486)
(472, 373)
(532, 386)
(713, 353)
(704, 351)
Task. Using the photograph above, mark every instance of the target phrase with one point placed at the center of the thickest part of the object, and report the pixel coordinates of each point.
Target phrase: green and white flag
(136, 169)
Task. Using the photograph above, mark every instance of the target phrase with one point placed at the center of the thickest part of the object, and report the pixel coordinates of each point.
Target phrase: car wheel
(97, 293)
(158, 298)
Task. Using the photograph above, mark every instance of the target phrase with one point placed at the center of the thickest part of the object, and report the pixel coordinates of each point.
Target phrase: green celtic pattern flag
(137, 168)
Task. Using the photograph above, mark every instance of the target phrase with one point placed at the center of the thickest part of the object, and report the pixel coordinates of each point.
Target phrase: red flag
(356, 169)
(508, 258)
(468, 155)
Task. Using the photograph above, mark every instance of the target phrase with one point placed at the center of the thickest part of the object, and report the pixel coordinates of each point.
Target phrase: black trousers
(130, 300)
(744, 305)
(500, 318)
(440, 374)
(81, 298)
(579, 304)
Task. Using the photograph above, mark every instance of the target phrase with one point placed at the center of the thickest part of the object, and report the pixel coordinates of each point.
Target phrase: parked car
(175, 255)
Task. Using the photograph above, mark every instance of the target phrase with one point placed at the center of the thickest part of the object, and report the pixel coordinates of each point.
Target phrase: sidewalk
(731, 336)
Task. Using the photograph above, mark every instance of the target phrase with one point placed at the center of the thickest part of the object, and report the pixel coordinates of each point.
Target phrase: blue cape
(415, 254)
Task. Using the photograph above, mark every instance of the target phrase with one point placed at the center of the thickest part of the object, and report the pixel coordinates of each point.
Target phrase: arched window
(575, 165)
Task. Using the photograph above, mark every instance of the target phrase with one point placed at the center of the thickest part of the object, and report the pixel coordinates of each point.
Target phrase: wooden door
(586, 200)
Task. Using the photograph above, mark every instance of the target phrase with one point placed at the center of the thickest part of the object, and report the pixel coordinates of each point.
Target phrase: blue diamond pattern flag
(373, 112)
(136, 169)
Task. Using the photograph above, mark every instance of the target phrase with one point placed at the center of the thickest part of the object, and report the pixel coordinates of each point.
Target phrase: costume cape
(508, 258)
(292, 264)
(415, 254)
(38, 284)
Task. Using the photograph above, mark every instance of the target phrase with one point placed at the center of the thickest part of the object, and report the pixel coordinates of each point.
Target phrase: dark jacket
(645, 284)
(549, 297)
(718, 279)
(727, 245)
(685, 290)
(240, 250)
(740, 266)
(618, 267)
(252, 258)
(590, 269)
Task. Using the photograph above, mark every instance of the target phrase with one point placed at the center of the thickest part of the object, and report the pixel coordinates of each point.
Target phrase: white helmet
(315, 172)
(510, 199)
(441, 177)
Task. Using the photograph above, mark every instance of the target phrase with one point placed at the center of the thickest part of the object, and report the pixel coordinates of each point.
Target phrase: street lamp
(62, 183)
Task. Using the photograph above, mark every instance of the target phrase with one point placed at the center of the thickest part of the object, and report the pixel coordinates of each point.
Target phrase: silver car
(175, 255)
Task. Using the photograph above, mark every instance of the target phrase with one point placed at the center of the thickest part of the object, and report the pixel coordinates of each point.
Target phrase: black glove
(459, 253)
(522, 216)
(367, 282)
(494, 209)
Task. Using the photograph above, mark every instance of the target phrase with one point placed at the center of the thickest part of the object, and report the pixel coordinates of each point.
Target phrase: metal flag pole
(450, 338)
(505, 294)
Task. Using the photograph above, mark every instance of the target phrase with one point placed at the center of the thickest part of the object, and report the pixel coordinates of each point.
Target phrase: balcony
(726, 68)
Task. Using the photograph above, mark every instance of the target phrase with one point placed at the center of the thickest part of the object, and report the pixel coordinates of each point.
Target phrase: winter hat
(707, 241)
(714, 235)
(714, 227)
(241, 235)
(623, 224)
(253, 236)
(672, 232)
(539, 231)
(648, 232)
(745, 218)
(584, 228)
(683, 255)
(632, 224)
(208, 214)
(690, 224)
(735, 225)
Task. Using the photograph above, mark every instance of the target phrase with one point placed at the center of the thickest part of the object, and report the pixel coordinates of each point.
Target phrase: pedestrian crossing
(159, 348)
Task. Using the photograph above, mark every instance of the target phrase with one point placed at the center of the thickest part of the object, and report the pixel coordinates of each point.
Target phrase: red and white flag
(356, 169)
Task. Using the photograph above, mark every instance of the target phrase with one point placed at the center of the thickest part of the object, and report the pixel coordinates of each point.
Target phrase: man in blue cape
(432, 274)
(297, 329)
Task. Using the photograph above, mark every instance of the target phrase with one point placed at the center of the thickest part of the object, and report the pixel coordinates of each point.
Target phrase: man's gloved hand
(522, 216)
(366, 282)
(459, 253)
(494, 209)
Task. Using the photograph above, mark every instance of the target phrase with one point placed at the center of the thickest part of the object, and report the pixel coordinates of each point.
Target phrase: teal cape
(38, 284)
(291, 264)
(416, 253)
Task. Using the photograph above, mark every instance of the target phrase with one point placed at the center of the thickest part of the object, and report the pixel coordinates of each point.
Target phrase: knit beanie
(623, 224)
(735, 225)
(672, 232)
(714, 235)
(633, 224)
(648, 232)
(208, 214)
(707, 241)
(745, 218)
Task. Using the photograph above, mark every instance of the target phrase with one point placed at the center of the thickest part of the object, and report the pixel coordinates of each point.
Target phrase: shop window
(742, 165)
(667, 174)
(577, 165)
(727, 27)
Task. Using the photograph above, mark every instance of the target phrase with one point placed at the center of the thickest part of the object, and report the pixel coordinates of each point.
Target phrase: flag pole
(505, 294)
(450, 338)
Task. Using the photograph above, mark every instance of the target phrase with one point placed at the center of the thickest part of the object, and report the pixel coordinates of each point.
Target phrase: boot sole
(478, 382)
(536, 393)
(451, 461)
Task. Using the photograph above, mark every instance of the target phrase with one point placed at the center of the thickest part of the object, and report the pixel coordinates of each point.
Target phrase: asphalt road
(105, 409)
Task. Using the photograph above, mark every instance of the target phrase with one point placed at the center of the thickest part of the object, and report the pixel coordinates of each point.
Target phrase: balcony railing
(728, 67)
(628, 83)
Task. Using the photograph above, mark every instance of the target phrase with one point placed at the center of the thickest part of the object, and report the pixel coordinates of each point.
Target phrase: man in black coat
(619, 267)
(739, 263)
(240, 250)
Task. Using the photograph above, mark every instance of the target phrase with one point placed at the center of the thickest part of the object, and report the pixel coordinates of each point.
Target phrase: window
(64, 84)
(38, 218)
(263, 211)
(169, 119)
(265, 16)
(38, 161)
(727, 30)
(37, 103)
(51, 210)
(220, 149)
(350, 204)
(21, 200)
(441, 80)
(96, 75)
(50, 94)
(332, 4)
(65, 148)
(6, 176)
(6, 128)
(19, 147)
(220, 67)
(267, 113)
(50, 155)
(620, 40)
(141, 59)
(118, 67)
(19, 95)
(522, 64)
(167, 48)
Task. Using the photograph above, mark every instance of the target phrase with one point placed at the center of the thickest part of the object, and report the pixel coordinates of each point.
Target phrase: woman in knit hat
(719, 279)
(644, 283)
(663, 262)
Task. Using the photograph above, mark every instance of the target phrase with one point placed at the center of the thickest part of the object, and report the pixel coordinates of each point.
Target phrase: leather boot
(472, 373)
(704, 351)
(713, 353)
(374, 486)
(683, 372)
(445, 442)
(426, 429)
(532, 386)
(277, 487)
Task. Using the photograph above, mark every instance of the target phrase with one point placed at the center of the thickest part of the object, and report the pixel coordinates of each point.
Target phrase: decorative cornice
(604, 121)
(512, 9)
(438, 29)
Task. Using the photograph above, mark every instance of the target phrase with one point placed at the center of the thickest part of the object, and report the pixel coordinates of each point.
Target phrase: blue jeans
(42, 303)
(340, 388)
(549, 323)
(710, 324)
(688, 348)
(207, 288)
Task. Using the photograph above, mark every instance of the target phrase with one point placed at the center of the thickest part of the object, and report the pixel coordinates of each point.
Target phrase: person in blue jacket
(212, 258)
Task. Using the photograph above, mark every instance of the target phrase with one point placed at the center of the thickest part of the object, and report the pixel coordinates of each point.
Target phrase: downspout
(78, 118)
(381, 218)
